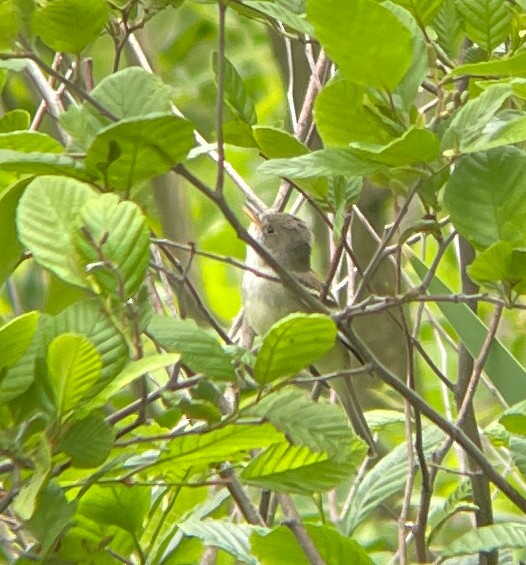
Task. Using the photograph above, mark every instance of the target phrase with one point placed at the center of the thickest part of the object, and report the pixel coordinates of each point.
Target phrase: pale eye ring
(269, 229)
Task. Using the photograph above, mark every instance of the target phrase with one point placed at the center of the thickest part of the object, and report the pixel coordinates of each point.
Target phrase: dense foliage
(137, 426)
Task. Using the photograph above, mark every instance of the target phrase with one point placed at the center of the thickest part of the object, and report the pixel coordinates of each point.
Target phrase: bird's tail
(347, 395)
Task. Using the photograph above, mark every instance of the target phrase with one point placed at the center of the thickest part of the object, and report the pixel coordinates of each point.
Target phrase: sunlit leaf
(130, 373)
(292, 344)
(86, 318)
(293, 468)
(74, 367)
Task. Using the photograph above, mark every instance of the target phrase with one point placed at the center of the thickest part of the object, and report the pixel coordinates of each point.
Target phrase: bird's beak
(253, 214)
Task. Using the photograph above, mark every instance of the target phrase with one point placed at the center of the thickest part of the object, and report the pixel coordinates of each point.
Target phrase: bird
(266, 299)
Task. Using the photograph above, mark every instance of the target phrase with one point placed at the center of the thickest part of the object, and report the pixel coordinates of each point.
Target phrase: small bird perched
(289, 241)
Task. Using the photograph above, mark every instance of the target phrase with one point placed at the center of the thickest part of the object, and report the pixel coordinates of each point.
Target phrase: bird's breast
(266, 302)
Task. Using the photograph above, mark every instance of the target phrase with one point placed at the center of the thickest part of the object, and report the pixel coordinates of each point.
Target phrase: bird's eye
(269, 229)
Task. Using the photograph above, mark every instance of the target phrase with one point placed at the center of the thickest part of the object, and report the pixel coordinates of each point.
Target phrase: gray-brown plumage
(265, 301)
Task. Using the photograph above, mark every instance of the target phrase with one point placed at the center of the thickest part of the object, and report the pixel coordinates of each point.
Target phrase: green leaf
(25, 503)
(29, 141)
(74, 367)
(8, 24)
(514, 418)
(277, 11)
(230, 443)
(411, 82)
(277, 143)
(344, 30)
(423, 10)
(139, 148)
(132, 92)
(45, 220)
(280, 547)
(326, 162)
(23, 373)
(448, 28)
(52, 516)
(294, 468)
(517, 446)
(500, 263)
(469, 122)
(232, 538)
(414, 146)
(514, 65)
(292, 344)
(506, 128)
(486, 197)
(488, 538)
(85, 318)
(15, 337)
(487, 22)
(116, 505)
(88, 441)
(115, 231)
(343, 116)
(503, 369)
(71, 25)
(199, 350)
(343, 193)
(130, 373)
(320, 426)
(14, 120)
(386, 478)
(12, 250)
(236, 95)
(458, 501)
(34, 163)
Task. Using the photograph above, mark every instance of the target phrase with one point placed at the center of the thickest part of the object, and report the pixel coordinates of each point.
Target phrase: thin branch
(455, 433)
(234, 176)
(294, 523)
(70, 84)
(241, 498)
(220, 178)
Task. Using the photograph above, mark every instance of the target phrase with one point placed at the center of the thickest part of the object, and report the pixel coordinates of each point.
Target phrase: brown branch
(241, 498)
(449, 428)
(294, 523)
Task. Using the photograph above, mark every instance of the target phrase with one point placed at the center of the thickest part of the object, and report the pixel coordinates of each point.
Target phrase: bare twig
(241, 498)
(293, 522)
